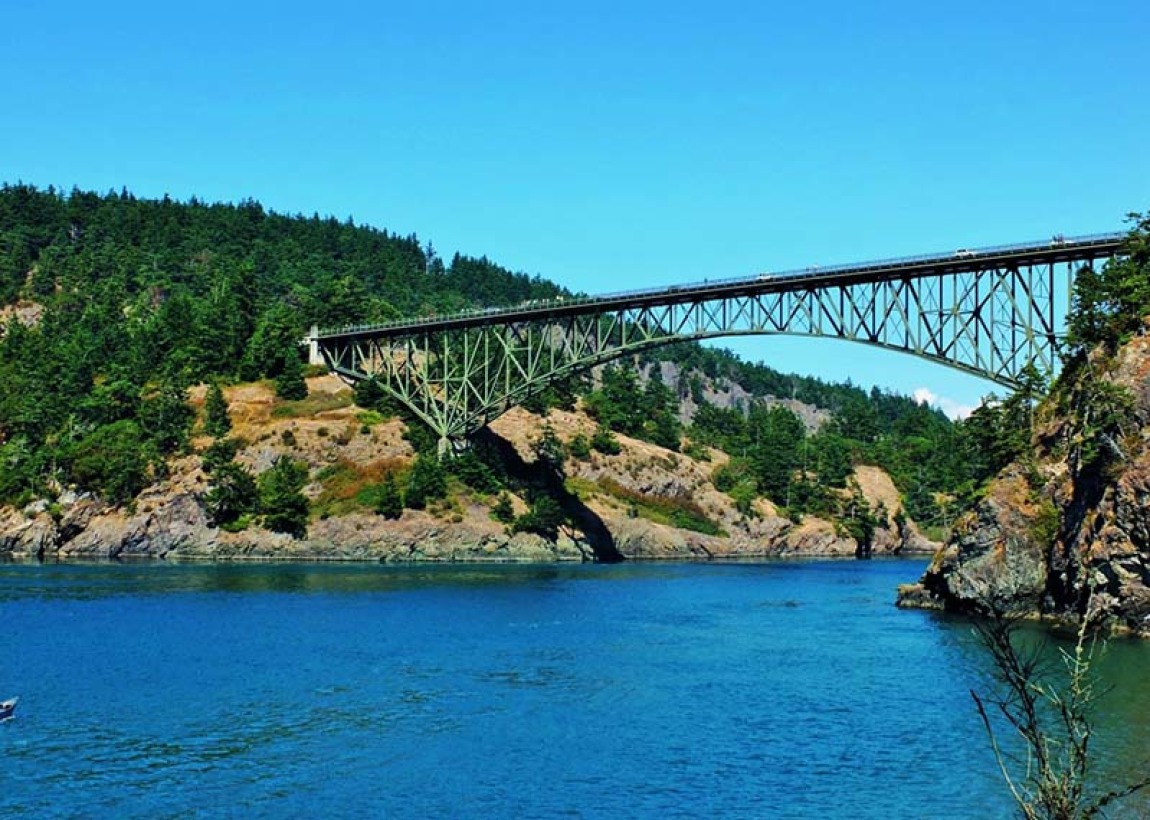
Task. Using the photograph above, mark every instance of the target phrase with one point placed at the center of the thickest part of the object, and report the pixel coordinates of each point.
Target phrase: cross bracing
(990, 312)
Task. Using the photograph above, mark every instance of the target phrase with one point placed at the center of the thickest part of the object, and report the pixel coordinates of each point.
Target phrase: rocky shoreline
(175, 527)
(168, 520)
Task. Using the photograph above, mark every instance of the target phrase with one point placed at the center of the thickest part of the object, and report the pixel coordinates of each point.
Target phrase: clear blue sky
(609, 145)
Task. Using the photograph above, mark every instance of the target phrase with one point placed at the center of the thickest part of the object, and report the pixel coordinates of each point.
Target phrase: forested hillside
(114, 306)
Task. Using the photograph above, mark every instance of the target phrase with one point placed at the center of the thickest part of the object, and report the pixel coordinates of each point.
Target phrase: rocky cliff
(1071, 527)
(336, 440)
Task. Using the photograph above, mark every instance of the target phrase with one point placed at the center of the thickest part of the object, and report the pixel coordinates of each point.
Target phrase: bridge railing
(798, 274)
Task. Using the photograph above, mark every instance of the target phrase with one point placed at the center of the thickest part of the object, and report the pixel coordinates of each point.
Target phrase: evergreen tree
(1111, 304)
(369, 394)
(660, 408)
(544, 518)
(470, 468)
(776, 435)
(426, 482)
(829, 455)
(618, 403)
(219, 452)
(282, 503)
(290, 384)
(217, 423)
(113, 400)
(232, 495)
(20, 471)
(549, 449)
(166, 417)
(272, 345)
(388, 502)
(503, 512)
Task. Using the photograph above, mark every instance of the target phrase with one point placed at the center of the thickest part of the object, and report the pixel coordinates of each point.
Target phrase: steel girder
(990, 320)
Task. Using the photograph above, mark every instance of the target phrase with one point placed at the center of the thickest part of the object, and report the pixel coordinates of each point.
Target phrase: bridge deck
(1053, 251)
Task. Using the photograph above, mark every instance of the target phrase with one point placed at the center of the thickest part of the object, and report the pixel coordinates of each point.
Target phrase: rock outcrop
(1055, 536)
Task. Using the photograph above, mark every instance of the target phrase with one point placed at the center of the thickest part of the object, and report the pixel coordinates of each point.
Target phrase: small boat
(7, 707)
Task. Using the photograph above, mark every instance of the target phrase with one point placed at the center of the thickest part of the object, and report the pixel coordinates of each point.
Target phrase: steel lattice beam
(991, 313)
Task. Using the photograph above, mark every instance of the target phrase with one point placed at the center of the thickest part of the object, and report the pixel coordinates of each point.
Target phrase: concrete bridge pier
(314, 356)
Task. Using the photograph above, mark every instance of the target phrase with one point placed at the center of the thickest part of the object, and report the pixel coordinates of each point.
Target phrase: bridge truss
(990, 312)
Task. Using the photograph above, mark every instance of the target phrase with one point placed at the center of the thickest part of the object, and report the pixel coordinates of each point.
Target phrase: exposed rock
(26, 313)
(78, 512)
(992, 557)
(916, 596)
(27, 537)
(1049, 538)
(177, 523)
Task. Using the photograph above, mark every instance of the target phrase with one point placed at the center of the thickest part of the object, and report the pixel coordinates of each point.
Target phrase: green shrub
(605, 442)
(579, 447)
(503, 511)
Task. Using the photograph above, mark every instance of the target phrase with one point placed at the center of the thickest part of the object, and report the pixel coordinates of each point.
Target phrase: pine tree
(216, 420)
(289, 383)
(369, 394)
(503, 512)
(660, 408)
(427, 482)
(388, 503)
(233, 494)
(776, 434)
(284, 507)
(167, 418)
(275, 337)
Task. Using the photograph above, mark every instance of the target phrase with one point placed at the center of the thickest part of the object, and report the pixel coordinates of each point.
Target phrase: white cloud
(953, 409)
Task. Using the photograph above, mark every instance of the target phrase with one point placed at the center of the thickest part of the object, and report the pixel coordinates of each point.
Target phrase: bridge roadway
(1027, 254)
(992, 312)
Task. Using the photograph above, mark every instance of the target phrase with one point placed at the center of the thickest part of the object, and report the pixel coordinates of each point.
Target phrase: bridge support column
(451, 446)
(313, 353)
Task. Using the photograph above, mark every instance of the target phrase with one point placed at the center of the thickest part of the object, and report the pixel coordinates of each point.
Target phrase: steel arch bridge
(990, 312)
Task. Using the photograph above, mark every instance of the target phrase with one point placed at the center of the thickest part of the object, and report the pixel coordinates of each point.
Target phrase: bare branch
(1053, 721)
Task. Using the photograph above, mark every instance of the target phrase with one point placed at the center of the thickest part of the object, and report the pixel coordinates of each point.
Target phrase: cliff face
(1049, 536)
(168, 519)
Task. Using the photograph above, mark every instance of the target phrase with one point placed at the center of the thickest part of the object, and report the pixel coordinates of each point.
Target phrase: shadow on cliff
(544, 477)
(1064, 587)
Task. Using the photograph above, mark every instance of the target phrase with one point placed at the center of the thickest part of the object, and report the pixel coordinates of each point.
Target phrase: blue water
(771, 690)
